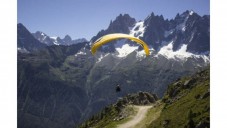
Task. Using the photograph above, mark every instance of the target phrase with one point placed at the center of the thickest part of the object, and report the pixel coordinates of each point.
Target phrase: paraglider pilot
(118, 89)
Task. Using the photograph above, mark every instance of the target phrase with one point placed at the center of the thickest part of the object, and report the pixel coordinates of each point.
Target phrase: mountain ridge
(67, 40)
(157, 31)
(154, 30)
(25, 41)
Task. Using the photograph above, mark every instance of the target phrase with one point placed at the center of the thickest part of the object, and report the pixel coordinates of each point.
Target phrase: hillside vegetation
(186, 104)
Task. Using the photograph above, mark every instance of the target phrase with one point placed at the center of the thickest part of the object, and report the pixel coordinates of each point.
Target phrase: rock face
(156, 26)
(188, 28)
(26, 42)
(141, 98)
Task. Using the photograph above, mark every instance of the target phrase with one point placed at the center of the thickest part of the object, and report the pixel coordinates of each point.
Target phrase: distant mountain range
(187, 31)
(67, 40)
(60, 83)
(29, 42)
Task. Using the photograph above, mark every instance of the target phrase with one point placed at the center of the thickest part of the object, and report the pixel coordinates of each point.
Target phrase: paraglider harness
(118, 89)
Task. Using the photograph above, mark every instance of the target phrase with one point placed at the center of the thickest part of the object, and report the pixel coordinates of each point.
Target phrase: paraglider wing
(107, 38)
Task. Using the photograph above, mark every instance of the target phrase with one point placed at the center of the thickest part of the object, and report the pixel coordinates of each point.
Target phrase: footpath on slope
(142, 111)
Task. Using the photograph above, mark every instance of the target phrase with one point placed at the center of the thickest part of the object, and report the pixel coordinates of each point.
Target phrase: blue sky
(84, 18)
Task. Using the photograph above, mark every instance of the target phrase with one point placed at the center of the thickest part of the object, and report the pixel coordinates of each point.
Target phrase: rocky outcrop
(140, 98)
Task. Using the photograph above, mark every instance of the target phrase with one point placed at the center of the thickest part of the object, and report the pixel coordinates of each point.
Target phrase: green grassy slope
(186, 103)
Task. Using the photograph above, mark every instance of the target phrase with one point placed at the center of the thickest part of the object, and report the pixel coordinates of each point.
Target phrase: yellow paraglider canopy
(107, 38)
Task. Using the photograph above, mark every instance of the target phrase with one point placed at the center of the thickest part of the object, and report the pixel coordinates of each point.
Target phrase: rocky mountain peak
(125, 18)
(67, 38)
(38, 33)
(156, 26)
(20, 26)
(58, 38)
(121, 24)
(185, 15)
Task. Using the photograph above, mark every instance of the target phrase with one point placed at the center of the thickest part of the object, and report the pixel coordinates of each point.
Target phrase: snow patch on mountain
(119, 43)
(168, 52)
(191, 12)
(181, 54)
(80, 53)
(54, 38)
(125, 50)
(23, 50)
(138, 29)
(205, 58)
(43, 37)
(140, 54)
(56, 43)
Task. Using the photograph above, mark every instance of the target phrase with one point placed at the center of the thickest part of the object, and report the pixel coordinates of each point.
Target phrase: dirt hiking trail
(142, 111)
